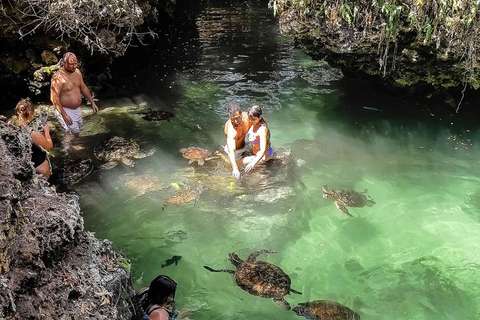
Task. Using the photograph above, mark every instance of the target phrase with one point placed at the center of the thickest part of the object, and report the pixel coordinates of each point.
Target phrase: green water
(412, 255)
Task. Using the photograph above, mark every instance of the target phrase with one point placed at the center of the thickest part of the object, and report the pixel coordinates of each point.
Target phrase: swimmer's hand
(67, 119)
(236, 174)
(249, 167)
(94, 107)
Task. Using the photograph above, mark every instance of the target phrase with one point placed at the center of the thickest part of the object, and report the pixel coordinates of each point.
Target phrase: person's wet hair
(25, 110)
(161, 288)
(233, 108)
(256, 111)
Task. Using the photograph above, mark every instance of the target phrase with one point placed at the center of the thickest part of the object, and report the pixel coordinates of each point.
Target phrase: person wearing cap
(66, 94)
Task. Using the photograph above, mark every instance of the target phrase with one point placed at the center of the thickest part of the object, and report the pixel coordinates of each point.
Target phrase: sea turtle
(157, 115)
(325, 310)
(260, 278)
(183, 197)
(347, 198)
(198, 154)
(118, 149)
(72, 172)
(143, 184)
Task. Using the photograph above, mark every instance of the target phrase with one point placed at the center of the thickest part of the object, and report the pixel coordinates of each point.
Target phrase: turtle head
(300, 310)
(234, 259)
(326, 194)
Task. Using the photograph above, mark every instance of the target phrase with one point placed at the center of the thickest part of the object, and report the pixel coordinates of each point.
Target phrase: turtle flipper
(129, 162)
(148, 153)
(255, 254)
(341, 207)
(295, 291)
(201, 162)
(109, 165)
(221, 270)
(282, 303)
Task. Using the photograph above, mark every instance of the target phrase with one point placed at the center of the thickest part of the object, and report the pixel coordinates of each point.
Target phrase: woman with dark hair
(157, 301)
(41, 142)
(259, 137)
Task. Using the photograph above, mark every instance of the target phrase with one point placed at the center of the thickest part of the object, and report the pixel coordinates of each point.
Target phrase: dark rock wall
(50, 268)
(407, 62)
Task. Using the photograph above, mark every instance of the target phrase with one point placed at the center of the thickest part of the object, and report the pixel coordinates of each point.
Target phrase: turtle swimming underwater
(260, 278)
(157, 115)
(72, 172)
(325, 310)
(198, 154)
(347, 198)
(118, 149)
(143, 184)
(182, 197)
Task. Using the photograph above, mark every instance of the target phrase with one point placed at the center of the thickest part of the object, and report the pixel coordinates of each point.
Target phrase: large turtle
(72, 172)
(118, 149)
(325, 310)
(142, 184)
(198, 154)
(260, 278)
(183, 197)
(347, 198)
(157, 115)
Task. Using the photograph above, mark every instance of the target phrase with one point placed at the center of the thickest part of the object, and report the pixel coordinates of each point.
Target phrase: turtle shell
(262, 279)
(116, 149)
(182, 197)
(194, 153)
(350, 198)
(325, 310)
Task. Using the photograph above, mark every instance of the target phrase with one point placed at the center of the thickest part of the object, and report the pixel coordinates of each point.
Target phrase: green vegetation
(123, 263)
(452, 25)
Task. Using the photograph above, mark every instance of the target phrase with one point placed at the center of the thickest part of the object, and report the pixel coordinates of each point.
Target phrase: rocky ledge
(50, 267)
(410, 44)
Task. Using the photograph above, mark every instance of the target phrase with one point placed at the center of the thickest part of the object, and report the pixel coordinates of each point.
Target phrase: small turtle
(325, 310)
(157, 115)
(143, 184)
(182, 197)
(72, 172)
(118, 149)
(347, 198)
(260, 278)
(198, 154)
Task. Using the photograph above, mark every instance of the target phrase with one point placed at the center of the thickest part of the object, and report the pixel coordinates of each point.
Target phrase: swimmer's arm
(45, 141)
(262, 133)
(55, 90)
(86, 93)
(231, 144)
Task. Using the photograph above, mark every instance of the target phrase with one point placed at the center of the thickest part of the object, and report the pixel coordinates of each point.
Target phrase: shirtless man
(235, 129)
(66, 94)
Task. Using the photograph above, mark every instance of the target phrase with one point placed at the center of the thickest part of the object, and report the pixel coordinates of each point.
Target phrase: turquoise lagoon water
(412, 255)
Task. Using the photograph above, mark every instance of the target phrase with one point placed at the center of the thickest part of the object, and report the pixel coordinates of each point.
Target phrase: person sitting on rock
(41, 142)
(157, 301)
(235, 130)
(259, 137)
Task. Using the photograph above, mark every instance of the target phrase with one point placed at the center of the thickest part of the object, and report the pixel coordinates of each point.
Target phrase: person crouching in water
(259, 137)
(157, 301)
(41, 142)
(235, 130)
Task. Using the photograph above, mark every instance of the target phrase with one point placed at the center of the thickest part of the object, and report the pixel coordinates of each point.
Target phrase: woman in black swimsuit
(157, 302)
(41, 143)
